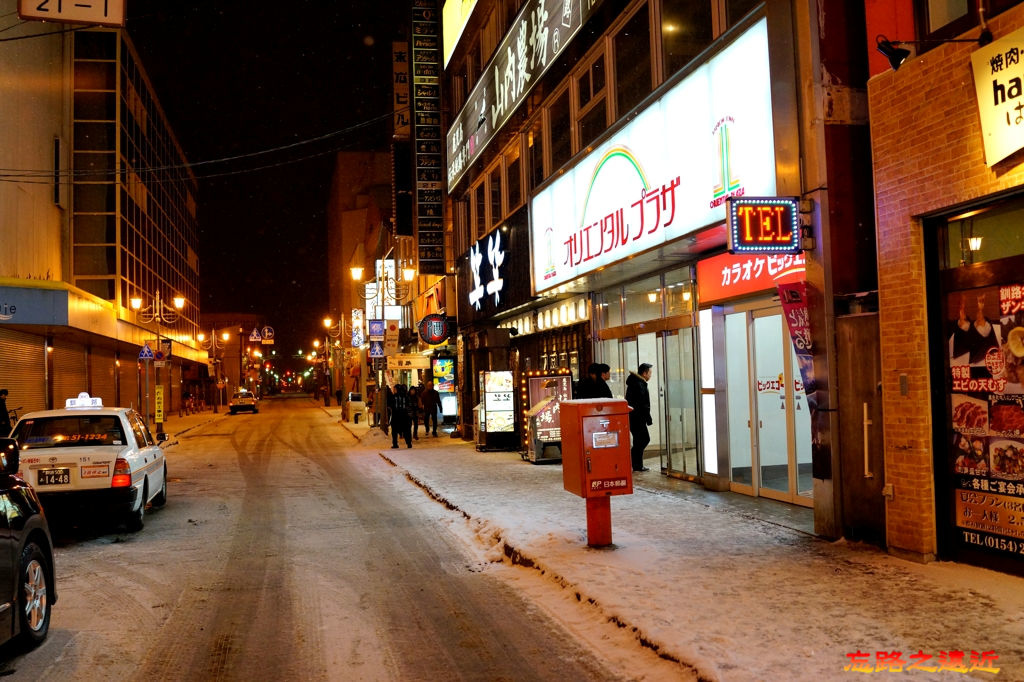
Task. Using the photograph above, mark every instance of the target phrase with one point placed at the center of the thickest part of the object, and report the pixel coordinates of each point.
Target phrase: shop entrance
(672, 390)
(769, 419)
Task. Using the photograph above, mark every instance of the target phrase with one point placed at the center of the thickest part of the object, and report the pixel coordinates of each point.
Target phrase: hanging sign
(435, 329)
(763, 224)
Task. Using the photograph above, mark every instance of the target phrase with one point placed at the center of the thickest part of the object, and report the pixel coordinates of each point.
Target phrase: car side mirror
(10, 456)
(161, 437)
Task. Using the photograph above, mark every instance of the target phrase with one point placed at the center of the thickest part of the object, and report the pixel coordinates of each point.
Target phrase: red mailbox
(595, 459)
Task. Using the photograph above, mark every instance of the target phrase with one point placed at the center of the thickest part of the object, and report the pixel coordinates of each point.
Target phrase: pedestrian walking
(398, 406)
(5, 416)
(414, 412)
(595, 384)
(639, 399)
(430, 403)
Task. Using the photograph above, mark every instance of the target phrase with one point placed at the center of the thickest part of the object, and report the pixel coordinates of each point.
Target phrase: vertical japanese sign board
(426, 111)
(158, 404)
(97, 12)
(400, 88)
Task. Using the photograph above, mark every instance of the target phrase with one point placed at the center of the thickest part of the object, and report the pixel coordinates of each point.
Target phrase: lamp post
(158, 311)
(213, 345)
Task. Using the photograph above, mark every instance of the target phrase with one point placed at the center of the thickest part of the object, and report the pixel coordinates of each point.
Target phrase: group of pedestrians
(595, 385)
(406, 405)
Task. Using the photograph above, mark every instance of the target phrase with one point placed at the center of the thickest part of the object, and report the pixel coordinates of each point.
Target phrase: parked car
(243, 401)
(26, 565)
(93, 459)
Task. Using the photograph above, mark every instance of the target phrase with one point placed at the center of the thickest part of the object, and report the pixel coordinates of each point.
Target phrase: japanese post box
(595, 447)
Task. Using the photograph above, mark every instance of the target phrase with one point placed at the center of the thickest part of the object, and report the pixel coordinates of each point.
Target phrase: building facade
(98, 210)
(591, 151)
(950, 275)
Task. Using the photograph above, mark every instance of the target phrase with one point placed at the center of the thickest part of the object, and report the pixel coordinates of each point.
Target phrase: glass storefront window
(678, 292)
(983, 236)
(643, 300)
(608, 309)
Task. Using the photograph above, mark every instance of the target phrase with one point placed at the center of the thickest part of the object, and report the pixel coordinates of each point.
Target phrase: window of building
(479, 210)
(494, 180)
(591, 101)
(513, 176)
(461, 225)
(678, 292)
(686, 29)
(535, 154)
(560, 125)
(737, 9)
(943, 19)
(608, 308)
(632, 49)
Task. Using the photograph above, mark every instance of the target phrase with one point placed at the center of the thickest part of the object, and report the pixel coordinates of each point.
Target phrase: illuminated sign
(435, 329)
(533, 44)
(487, 286)
(998, 86)
(666, 174)
(454, 17)
(727, 276)
(763, 224)
(100, 12)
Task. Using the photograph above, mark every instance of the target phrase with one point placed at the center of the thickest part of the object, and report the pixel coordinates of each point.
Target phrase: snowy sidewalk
(731, 597)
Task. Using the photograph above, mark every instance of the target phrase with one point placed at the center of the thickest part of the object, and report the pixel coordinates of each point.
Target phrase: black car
(26, 557)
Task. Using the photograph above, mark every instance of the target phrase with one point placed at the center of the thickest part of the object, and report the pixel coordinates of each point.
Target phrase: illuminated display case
(496, 414)
(542, 393)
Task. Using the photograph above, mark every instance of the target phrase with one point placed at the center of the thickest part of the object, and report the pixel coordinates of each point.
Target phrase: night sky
(237, 79)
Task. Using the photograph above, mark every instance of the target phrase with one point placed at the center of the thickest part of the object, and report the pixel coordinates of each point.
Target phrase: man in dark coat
(639, 399)
(430, 403)
(595, 385)
(398, 407)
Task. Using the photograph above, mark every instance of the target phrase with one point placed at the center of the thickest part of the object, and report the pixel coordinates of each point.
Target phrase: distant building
(97, 207)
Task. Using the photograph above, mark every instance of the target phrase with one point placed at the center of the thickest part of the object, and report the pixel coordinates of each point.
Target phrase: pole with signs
(146, 354)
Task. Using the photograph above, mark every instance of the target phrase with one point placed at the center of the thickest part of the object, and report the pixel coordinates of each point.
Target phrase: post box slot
(606, 439)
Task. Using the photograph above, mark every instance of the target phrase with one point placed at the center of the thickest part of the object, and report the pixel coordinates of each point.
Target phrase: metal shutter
(23, 370)
(129, 383)
(103, 375)
(70, 371)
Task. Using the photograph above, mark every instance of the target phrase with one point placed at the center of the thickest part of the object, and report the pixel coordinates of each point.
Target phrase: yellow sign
(158, 404)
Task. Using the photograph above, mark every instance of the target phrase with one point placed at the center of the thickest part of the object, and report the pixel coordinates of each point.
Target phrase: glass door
(769, 421)
(680, 453)
(774, 441)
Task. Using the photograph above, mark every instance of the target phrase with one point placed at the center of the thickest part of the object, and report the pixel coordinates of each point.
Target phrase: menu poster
(985, 348)
(499, 402)
(549, 419)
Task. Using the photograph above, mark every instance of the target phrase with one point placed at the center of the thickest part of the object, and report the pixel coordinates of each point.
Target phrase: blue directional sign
(376, 330)
(376, 349)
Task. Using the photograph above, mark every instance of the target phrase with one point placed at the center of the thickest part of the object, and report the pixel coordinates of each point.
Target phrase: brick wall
(927, 154)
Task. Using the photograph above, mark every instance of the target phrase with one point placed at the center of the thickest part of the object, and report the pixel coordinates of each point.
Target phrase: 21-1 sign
(763, 224)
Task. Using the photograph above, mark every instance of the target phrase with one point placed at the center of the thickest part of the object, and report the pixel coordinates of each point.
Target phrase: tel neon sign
(763, 224)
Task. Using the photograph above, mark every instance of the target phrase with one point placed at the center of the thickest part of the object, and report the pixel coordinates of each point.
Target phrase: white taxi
(93, 459)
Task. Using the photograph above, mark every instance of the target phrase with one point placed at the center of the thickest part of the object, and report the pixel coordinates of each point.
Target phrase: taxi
(93, 459)
(243, 400)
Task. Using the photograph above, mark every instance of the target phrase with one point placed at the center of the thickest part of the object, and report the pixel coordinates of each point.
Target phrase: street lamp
(212, 345)
(158, 311)
(386, 289)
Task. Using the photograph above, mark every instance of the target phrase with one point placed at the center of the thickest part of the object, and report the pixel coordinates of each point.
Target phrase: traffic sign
(255, 336)
(146, 353)
(268, 335)
(376, 349)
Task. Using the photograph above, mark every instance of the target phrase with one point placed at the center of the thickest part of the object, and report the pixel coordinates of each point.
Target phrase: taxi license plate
(54, 476)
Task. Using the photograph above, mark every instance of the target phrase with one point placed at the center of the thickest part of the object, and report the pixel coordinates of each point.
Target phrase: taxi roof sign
(83, 400)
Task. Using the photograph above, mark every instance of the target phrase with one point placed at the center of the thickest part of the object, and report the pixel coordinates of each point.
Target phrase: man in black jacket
(640, 418)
